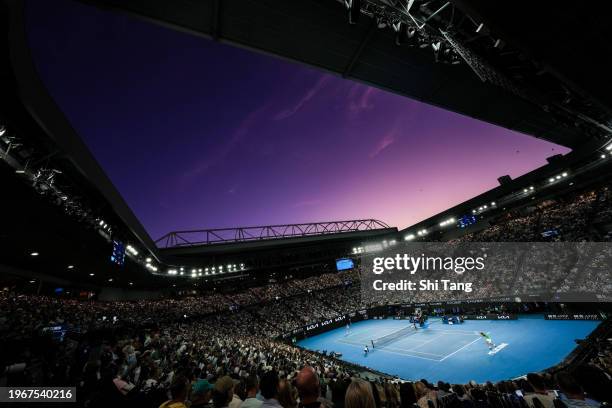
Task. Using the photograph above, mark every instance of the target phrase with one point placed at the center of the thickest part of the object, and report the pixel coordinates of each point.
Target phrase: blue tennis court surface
(456, 353)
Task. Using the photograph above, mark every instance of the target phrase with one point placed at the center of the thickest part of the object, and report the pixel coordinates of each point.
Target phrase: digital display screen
(344, 264)
(467, 220)
(118, 255)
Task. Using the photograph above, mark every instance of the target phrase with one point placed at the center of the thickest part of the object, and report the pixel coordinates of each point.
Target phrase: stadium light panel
(609, 147)
(148, 260)
(558, 177)
(603, 156)
(552, 179)
(564, 175)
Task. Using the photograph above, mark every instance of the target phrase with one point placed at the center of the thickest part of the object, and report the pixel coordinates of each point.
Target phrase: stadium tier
(463, 159)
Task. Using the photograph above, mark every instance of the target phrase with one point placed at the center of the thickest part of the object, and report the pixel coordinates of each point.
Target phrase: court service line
(458, 350)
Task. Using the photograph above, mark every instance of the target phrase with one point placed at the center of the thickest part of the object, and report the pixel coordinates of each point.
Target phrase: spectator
(359, 395)
(573, 396)
(201, 392)
(252, 388)
(309, 388)
(269, 390)
(178, 393)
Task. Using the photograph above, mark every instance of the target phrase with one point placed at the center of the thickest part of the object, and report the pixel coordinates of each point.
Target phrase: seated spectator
(287, 394)
(539, 391)
(201, 392)
(359, 395)
(572, 393)
(269, 390)
(223, 393)
(178, 393)
(252, 388)
(309, 388)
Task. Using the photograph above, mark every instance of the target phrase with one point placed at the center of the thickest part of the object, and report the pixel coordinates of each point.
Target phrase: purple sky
(199, 134)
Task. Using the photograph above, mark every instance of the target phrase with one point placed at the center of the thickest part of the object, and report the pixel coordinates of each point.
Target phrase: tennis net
(388, 338)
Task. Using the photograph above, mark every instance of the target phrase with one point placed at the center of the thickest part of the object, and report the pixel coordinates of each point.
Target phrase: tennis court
(433, 343)
(455, 353)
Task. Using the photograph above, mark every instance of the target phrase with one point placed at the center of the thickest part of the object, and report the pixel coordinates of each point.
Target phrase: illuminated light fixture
(181, 273)
(148, 260)
(32, 281)
(409, 237)
(558, 177)
(110, 279)
(132, 250)
(609, 147)
(479, 28)
(242, 266)
(206, 270)
(2, 130)
(552, 179)
(131, 283)
(182, 269)
(603, 156)
(564, 175)
(101, 222)
(20, 171)
(200, 270)
(447, 222)
(33, 253)
(525, 190)
(531, 187)
(473, 211)
(70, 266)
(172, 272)
(484, 206)
(91, 274)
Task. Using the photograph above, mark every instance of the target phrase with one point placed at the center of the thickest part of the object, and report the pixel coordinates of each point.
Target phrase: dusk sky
(198, 134)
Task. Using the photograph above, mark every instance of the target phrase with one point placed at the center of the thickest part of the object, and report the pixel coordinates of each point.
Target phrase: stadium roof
(360, 52)
(524, 81)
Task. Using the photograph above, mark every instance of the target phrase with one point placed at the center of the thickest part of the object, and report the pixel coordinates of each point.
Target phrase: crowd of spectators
(230, 360)
(219, 349)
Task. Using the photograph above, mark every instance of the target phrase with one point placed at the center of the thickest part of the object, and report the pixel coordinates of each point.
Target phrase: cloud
(311, 93)
(383, 143)
(360, 98)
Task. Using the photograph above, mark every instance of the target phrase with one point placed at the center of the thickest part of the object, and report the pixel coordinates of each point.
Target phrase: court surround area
(455, 353)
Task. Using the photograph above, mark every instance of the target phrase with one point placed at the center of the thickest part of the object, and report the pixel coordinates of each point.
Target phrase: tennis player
(488, 340)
